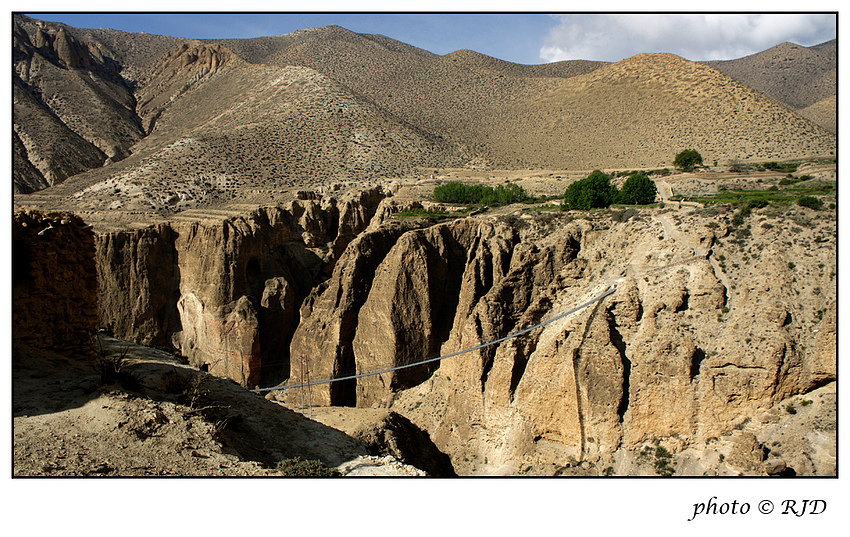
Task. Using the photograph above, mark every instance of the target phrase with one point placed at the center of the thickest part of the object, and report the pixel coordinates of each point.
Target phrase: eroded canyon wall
(708, 326)
(686, 349)
(226, 293)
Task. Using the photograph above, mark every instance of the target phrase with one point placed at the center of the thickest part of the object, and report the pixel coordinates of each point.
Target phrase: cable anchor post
(301, 383)
(309, 387)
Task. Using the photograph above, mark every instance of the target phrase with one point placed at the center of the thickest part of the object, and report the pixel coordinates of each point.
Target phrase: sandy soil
(69, 420)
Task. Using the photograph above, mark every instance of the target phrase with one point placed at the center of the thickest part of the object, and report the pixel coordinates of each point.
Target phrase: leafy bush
(486, 195)
(736, 166)
(662, 462)
(593, 192)
(757, 204)
(811, 202)
(298, 467)
(637, 190)
(687, 159)
(458, 193)
(738, 218)
(787, 167)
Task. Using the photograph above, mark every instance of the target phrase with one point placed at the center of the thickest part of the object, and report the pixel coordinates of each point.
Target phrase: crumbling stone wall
(54, 282)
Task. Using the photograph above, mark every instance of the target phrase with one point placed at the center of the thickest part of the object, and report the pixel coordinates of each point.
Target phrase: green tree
(487, 195)
(593, 192)
(504, 195)
(637, 190)
(687, 159)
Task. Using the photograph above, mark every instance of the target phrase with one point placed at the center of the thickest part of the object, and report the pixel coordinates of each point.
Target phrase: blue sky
(520, 38)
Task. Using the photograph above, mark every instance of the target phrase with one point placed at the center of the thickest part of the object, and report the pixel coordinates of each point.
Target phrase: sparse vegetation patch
(298, 467)
(784, 167)
(748, 200)
(811, 202)
(432, 214)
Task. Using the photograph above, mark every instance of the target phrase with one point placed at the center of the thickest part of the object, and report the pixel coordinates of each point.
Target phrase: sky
(527, 38)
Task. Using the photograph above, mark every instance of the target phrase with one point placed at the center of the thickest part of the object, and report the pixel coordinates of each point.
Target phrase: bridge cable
(607, 292)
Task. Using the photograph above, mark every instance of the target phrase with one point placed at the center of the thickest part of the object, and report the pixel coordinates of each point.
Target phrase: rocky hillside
(496, 107)
(73, 97)
(794, 75)
(823, 113)
(329, 105)
(655, 103)
(73, 110)
(442, 94)
(224, 131)
(802, 78)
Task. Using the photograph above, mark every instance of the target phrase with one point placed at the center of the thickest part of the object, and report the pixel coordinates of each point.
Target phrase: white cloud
(694, 37)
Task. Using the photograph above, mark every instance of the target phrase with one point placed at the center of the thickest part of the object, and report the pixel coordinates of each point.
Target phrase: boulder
(774, 466)
(747, 453)
(396, 436)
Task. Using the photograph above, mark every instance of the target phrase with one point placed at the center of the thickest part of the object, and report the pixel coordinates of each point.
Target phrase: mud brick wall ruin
(54, 282)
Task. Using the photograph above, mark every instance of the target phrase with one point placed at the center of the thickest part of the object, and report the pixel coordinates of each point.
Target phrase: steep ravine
(225, 293)
(667, 358)
(675, 356)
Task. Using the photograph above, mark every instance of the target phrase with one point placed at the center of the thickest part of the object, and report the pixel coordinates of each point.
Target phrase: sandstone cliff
(710, 340)
(329, 317)
(711, 325)
(226, 292)
(686, 350)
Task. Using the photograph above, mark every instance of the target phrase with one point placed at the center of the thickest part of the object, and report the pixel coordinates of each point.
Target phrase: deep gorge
(353, 290)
